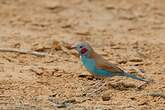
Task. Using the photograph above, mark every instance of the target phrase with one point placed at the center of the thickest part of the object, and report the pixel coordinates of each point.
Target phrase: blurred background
(126, 32)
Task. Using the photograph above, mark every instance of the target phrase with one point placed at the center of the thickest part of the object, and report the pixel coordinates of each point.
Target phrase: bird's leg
(85, 74)
(100, 80)
(98, 86)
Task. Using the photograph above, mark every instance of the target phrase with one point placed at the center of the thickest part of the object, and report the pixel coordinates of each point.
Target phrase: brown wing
(112, 68)
(104, 64)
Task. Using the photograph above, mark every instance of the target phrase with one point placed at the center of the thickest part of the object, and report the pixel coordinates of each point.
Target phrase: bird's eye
(81, 46)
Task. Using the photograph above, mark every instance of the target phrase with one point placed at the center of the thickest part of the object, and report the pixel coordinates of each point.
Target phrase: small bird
(97, 65)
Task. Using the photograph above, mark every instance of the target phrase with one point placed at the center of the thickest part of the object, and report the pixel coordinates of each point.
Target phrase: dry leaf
(56, 45)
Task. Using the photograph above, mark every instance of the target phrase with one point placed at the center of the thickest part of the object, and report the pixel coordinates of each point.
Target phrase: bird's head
(83, 48)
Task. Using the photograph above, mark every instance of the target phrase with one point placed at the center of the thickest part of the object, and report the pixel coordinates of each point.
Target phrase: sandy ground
(126, 32)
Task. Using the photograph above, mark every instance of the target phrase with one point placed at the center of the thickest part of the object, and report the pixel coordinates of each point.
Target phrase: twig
(157, 94)
(24, 51)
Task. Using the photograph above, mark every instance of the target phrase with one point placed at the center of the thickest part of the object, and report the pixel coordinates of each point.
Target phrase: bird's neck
(87, 55)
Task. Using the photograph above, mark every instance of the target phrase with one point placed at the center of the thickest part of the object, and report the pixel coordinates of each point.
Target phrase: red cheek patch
(83, 50)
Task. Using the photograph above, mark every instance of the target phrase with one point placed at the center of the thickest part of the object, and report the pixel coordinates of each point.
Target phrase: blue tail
(133, 76)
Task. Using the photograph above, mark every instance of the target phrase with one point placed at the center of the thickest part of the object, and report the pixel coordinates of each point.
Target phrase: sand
(125, 32)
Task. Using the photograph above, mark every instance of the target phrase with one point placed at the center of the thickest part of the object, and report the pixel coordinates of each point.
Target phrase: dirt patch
(125, 32)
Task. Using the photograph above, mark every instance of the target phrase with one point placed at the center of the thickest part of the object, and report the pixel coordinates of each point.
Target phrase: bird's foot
(99, 86)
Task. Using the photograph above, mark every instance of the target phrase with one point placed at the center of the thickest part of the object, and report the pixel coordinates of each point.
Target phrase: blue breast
(90, 65)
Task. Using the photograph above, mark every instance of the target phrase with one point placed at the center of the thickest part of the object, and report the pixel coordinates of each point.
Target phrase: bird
(97, 65)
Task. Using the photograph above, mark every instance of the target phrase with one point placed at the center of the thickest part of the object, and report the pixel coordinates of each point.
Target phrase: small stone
(136, 60)
(56, 45)
(106, 97)
(82, 75)
(122, 62)
(54, 6)
(82, 32)
(37, 71)
(133, 98)
(110, 7)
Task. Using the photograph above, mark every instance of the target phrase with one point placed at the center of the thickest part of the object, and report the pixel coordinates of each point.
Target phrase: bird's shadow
(103, 84)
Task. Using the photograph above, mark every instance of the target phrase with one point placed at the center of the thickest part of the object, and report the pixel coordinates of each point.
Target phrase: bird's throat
(83, 50)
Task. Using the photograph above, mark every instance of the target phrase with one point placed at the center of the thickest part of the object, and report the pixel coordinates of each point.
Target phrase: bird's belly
(90, 65)
(102, 72)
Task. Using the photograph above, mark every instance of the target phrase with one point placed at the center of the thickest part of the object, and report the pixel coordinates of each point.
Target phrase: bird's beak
(73, 46)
